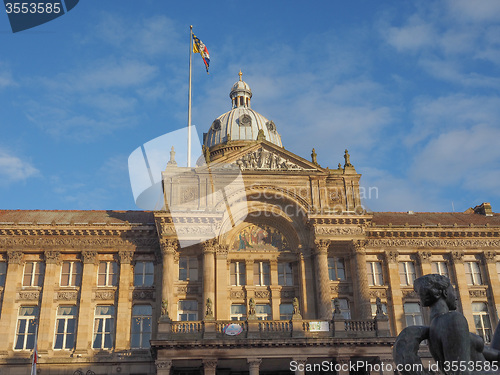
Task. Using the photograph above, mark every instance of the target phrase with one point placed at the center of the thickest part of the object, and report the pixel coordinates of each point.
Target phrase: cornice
(433, 243)
(76, 242)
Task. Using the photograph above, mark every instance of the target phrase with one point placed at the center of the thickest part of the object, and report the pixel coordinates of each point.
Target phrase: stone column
(398, 323)
(124, 308)
(47, 310)
(275, 290)
(253, 365)
(323, 280)
(307, 288)
(494, 282)
(424, 259)
(168, 251)
(86, 308)
(209, 248)
(463, 289)
(222, 308)
(300, 365)
(163, 366)
(209, 366)
(8, 317)
(361, 288)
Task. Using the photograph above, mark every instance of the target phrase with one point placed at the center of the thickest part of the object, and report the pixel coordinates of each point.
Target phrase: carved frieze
(340, 289)
(338, 231)
(143, 294)
(434, 243)
(76, 242)
(29, 295)
(187, 289)
(374, 293)
(67, 295)
(409, 293)
(237, 294)
(287, 293)
(105, 295)
(262, 294)
(478, 293)
(265, 160)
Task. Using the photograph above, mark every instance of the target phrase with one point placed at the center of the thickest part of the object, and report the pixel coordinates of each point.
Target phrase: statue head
(434, 287)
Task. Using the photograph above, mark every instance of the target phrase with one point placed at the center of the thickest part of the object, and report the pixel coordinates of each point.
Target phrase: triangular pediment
(266, 156)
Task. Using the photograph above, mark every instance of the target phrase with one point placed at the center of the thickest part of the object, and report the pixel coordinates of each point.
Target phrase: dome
(241, 123)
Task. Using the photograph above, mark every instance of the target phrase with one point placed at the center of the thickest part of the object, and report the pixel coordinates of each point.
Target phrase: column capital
(14, 257)
(210, 246)
(359, 246)
(254, 362)
(457, 256)
(424, 257)
(89, 256)
(166, 364)
(210, 363)
(125, 256)
(321, 246)
(168, 245)
(490, 256)
(52, 257)
(391, 256)
(222, 251)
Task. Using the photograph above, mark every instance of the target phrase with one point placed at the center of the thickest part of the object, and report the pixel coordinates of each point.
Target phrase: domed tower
(241, 124)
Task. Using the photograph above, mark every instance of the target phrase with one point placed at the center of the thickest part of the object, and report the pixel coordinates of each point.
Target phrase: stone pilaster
(124, 307)
(463, 289)
(254, 365)
(209, 249)
(275, 290)
(221, 297)
(361, 287)
(47, 310)
(168, 251)
(163, 366)
(424, 259)
(8, 317)
(391, 260)
(300, 365)
(86, 308)
(209, 366)
(322, 280)
(490, 262)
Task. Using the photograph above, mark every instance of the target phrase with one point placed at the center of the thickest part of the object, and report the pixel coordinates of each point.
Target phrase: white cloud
(415, 35)
(14, 169)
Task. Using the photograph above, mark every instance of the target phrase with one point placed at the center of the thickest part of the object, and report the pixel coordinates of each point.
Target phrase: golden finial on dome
(240, 74)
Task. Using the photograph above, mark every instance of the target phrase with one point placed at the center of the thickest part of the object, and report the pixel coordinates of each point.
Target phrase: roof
(435, 218)
(76, 217)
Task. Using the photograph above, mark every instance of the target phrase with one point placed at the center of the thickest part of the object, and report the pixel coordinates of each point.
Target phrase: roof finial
(240, 74)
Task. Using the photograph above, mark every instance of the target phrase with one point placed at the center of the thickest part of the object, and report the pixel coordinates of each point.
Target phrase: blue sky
(412, 89)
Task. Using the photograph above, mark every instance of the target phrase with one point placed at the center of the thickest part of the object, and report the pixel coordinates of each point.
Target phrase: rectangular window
(187, 310)
(440, 268)
(286, 311)
(65, 327)
(336, 269)
(188, 268)
(261, 275)
(375, 276)
(26, 328)
(143, 274)
(237, 272)
(482, 320)
(263, 312)
(343, 306)
(108, 274)
(33, 274)
(285, 275)
(71, 274)
(3, 273)
(473, 273)
(104, 327)
(238, 312)
(141, 326)
(407, 273)
(413, 314)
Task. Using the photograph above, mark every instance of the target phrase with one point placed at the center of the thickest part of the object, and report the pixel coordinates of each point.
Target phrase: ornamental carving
(163, 364)
(262, 294)
(342, 231)
(15, 257)
(245, 120)
(89, 257)
(146, 294)
(168, 245)
(477, 293)
(188, 194)
(265, 160)
(76, 242)
(271, 126)
(210, 246)
(209, 363)
(359, 246)
(105, 295)
(457, 256)
(237, 294)
(391, 256)
(67, 296)
(374, 293)
(424, 256)
(434, 243)
(335, 197)
(52, 257)
(287, 293)
(321, 245)
(29, 295)
(222, 250)
(340, 289)
(490, 256)
(125, 256)
(187, 289)
(409, 293)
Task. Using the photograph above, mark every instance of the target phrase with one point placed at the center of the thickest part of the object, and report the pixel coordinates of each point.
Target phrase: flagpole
(189, 96)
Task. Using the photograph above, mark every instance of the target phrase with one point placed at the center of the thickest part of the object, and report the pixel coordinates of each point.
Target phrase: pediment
(265, 156)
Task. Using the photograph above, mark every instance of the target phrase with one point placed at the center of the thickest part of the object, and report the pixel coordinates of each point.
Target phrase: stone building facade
(284, 270)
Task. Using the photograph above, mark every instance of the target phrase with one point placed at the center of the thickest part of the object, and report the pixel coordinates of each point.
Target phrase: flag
(199, 47)
(34, 360)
